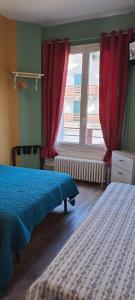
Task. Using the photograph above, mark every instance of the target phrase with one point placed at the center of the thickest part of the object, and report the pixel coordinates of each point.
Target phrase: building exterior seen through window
(80, 119)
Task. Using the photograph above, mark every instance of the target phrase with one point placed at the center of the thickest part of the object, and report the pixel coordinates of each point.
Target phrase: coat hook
(14, 82)
(36, 84)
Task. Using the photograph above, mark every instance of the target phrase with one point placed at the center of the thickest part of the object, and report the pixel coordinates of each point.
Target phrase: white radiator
(81, 169)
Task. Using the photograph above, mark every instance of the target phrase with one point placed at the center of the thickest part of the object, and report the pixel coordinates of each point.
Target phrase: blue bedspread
(26, 197)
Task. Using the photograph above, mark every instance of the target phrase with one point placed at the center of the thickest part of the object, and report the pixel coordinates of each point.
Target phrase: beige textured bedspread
(98, 261)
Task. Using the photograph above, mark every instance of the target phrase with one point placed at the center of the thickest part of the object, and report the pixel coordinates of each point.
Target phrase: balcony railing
(75, 91)
(93, 136)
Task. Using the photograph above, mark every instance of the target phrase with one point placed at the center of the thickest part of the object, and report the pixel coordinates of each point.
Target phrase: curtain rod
(75, 40)
(97, 37)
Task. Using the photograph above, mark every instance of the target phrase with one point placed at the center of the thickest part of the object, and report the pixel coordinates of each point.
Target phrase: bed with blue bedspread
(26, 197)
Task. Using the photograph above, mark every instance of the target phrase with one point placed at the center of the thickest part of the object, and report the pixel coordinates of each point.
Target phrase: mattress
(26, 197)
(98, 261)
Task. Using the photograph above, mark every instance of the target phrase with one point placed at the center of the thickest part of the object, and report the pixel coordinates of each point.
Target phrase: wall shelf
(21, 75)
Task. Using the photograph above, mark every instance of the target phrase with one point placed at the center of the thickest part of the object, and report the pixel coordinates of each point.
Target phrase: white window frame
(82, 146)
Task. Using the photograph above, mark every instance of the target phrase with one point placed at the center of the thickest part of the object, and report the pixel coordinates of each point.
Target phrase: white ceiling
(49, 12)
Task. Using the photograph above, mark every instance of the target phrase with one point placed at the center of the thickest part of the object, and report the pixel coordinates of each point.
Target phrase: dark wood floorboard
(48, 238)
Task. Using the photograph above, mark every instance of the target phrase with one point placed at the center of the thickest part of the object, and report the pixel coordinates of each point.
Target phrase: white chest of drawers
(123, 167)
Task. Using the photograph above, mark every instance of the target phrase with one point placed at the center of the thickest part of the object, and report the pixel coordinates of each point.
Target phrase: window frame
(82, 146)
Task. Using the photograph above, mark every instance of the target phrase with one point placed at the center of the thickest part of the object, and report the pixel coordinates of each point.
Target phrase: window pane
(72, 99)
(93, 128)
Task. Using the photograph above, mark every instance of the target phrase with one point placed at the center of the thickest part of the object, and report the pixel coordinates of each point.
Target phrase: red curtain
(113, 87)
(55, 56)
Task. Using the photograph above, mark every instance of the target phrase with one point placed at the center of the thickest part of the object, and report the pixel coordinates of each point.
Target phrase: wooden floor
(48, 238)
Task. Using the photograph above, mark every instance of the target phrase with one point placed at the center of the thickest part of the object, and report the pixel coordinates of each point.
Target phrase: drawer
(122, 161)
(120, 175)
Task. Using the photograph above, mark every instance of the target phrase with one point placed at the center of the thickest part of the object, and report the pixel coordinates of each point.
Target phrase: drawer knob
(121, 160)
(120, 173)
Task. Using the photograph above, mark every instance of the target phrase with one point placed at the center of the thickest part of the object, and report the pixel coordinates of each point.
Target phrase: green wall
(89, 31)
(29, 60)
(128, 136)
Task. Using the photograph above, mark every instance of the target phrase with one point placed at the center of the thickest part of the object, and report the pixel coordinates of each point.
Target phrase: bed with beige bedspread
(98, 261)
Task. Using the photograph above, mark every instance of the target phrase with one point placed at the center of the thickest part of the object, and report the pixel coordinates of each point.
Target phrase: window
(80, 119)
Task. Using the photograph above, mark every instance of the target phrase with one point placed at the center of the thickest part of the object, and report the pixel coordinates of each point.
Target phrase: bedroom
(20, 110)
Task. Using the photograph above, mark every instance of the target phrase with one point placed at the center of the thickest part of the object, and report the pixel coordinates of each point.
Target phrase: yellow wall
(8, 96)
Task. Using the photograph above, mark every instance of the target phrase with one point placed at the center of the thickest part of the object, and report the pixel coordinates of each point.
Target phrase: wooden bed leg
(65, 206)
(17, 254)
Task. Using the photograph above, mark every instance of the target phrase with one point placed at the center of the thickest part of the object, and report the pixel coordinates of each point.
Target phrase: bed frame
(26, 150)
